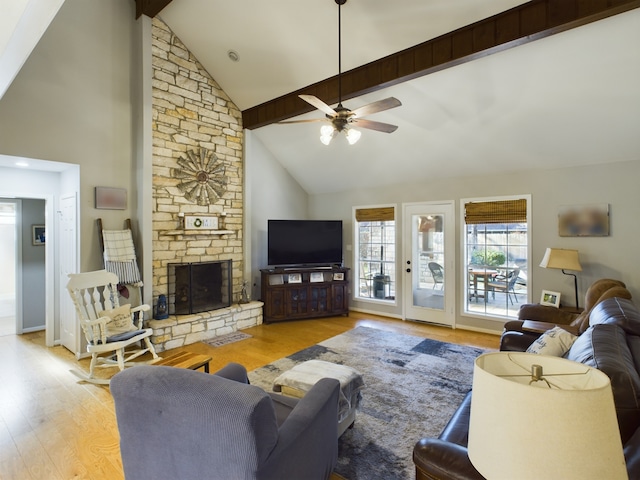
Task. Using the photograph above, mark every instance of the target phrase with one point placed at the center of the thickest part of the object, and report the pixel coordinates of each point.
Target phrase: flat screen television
(304, 242)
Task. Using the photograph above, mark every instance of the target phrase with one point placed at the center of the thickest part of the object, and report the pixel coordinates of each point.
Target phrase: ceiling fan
(341, 118)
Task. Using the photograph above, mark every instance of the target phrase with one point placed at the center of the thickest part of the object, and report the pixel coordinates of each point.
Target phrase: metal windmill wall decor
(203, 176)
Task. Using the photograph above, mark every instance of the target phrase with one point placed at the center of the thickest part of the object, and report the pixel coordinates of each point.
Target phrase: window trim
(463, 246)
(356, 248)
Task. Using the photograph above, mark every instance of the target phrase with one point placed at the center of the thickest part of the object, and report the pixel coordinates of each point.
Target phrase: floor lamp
(563, 260)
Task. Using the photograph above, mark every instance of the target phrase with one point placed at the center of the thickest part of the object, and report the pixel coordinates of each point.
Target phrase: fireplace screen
(199, 287)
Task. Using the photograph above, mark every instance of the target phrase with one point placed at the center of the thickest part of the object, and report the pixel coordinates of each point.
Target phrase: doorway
(8, 261)
(43, 181)
(429, 262)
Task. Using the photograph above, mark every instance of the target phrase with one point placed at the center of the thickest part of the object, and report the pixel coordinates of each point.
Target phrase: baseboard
(373, 312)
(33, 329)
(478, 329)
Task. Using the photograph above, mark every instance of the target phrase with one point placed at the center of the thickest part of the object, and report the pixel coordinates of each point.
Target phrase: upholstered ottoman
(297, 381)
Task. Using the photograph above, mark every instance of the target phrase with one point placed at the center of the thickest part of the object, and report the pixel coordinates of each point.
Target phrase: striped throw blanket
(120, 256)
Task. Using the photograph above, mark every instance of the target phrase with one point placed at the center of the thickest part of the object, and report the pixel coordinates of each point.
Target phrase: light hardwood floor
(54, 427)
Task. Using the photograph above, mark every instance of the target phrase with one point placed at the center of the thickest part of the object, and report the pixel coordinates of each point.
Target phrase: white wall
(72, 102)
(614, 256)
(271, 193)
(274, 194)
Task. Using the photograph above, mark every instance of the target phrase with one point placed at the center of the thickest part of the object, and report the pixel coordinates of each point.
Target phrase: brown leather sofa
(516, 339)
(611, 343)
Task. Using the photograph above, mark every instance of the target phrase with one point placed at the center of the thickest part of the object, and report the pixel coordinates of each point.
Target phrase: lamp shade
(561, 258)
(527, 429)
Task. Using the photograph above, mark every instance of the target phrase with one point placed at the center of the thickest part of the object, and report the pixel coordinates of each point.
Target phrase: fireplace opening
(199, 287)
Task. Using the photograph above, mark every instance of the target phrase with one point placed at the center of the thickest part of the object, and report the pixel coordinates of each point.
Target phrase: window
(496, 252)
(375, 253)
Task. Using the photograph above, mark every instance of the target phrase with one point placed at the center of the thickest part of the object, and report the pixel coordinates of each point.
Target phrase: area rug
(227, 339)
(412, 387)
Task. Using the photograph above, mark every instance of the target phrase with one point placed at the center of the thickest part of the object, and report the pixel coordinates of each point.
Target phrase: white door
(70, 334)
(429, 256)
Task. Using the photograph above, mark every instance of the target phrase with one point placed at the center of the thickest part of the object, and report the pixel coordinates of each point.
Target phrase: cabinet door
(320, 299)
(297, 301)
(275, 305)
(340, 298)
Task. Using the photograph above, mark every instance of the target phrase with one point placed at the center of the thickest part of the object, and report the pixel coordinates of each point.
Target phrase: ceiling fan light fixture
(326, 134)
(353, 135)
(341, 117)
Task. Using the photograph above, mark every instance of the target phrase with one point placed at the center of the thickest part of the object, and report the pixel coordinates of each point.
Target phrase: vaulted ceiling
(472, 106)
(566, 93)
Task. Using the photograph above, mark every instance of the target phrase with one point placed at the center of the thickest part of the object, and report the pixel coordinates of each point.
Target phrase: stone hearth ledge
(180, 330)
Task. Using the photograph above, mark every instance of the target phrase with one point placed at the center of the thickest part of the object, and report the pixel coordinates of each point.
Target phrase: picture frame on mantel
(109, 198)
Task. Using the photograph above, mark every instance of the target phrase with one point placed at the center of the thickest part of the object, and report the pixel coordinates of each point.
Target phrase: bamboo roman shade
(383, 214)
(502, 211)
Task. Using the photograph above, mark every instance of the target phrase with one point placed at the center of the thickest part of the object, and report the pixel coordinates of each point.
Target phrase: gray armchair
(178, 423)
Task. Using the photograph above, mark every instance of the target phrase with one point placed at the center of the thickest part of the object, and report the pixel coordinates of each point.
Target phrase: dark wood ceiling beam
(528, 22)
(150, 8)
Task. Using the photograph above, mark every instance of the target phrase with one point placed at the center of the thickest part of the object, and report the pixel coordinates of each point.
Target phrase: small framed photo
(38, 235)
(111, 198)
(549, 298)
(275, 280)
(338, 276)
(295, 278)
(316, 277)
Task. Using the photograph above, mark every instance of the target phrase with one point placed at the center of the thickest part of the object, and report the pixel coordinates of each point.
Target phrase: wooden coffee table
(192, 361)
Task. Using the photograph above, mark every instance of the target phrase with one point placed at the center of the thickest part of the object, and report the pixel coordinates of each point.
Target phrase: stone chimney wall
(190, 113)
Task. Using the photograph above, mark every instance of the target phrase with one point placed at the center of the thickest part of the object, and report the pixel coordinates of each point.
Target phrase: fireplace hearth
(199, 287)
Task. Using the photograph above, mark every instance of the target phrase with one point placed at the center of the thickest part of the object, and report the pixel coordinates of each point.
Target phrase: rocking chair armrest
(101, 323)
(137, 313)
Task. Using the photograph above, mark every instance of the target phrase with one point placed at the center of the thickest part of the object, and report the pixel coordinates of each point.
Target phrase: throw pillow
(120, 320)
(555, 342)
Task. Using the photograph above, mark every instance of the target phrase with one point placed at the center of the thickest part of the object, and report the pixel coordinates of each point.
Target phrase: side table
(192, 361)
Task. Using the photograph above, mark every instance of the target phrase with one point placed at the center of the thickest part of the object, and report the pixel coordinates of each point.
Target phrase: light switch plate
(200, 222)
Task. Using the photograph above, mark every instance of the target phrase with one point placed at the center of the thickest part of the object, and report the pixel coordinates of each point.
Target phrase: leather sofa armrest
(632, 455)
(513, 341)
(544, 313)
(437, 459)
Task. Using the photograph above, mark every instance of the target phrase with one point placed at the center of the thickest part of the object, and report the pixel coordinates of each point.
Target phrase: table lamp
(536, 416)
(564, 260)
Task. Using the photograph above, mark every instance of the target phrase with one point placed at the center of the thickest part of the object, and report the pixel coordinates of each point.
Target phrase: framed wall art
(38, 236)
(109, 198)
(583, 220)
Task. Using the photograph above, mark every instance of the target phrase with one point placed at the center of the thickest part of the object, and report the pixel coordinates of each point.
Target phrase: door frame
(448, 312)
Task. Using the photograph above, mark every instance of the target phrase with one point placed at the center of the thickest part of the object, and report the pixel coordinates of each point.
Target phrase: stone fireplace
(199, 287)
(197, 172)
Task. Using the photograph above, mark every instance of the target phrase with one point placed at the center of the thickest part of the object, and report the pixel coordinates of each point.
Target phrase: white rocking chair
(108, 327)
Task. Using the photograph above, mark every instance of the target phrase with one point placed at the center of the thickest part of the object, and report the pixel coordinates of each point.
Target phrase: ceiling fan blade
(371, 125)
(319, 104)
(375, 107)
(304, 121)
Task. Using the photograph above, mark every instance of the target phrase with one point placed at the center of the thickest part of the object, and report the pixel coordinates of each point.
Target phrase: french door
(429, 262)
